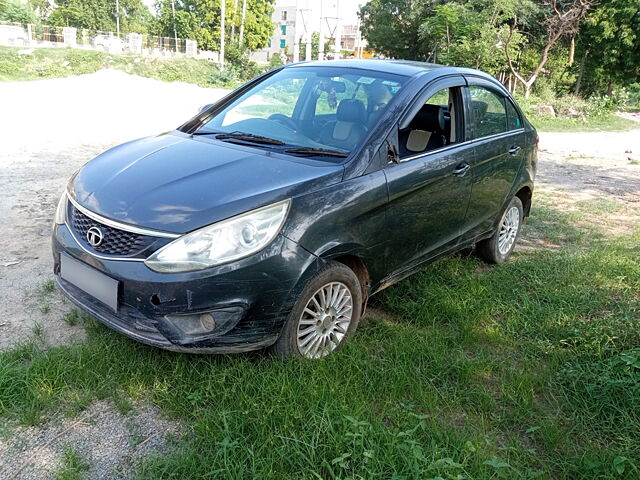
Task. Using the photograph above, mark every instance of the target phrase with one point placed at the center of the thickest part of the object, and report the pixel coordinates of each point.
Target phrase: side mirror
(205, 107)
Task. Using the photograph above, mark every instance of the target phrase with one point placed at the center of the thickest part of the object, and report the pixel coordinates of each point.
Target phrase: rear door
(498, 138)
(430, 184)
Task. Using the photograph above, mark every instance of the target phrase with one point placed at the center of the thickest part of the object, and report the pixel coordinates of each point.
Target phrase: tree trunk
(572, 50)
(609, 89)
(580, 73)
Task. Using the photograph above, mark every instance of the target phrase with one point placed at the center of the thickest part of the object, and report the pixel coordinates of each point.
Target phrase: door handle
(514, 150)
(461, 169)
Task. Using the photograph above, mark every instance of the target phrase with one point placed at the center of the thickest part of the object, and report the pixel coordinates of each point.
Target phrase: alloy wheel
(325, 320)
(508, 230)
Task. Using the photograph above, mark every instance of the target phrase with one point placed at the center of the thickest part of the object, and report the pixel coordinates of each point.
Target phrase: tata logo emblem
(95, 237)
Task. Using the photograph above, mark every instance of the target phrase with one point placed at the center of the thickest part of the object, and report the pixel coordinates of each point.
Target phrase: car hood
(177, 183)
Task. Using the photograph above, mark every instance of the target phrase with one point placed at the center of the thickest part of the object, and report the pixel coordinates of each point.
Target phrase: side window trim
(436, 151)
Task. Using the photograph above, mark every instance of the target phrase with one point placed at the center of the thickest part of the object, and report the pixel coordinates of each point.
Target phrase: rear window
(489, 112)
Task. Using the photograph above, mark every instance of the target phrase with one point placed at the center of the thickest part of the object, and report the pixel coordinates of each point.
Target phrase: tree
(390, 27)
(200, 20)
(100, 15)
(15, 11)
(609, 46)
(560, 19)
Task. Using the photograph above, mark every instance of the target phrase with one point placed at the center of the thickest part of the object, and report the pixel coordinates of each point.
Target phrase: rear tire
(500, 245)
(325, 314)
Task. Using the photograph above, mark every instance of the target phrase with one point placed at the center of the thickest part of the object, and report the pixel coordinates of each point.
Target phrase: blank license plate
(90, 280)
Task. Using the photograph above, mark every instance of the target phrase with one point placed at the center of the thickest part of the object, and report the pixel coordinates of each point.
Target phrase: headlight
(222, 242)
(61, 211)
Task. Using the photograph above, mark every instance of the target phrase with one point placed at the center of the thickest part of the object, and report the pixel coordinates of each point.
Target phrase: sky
(348, 8)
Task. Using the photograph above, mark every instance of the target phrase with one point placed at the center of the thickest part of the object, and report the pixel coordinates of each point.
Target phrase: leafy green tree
(392, 27)
(100, 15)
(200, 20)
(15, 11)
(609, 46)
(561, 18)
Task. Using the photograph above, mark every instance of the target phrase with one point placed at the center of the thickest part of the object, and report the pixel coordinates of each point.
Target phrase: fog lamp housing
(200, 325)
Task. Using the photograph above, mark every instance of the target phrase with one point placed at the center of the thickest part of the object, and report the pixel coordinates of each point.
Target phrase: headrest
(430, 118)
(479, 108)
(351, 110)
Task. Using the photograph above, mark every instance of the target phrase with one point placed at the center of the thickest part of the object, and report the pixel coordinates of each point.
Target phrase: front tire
(325, 314)
(500, 245)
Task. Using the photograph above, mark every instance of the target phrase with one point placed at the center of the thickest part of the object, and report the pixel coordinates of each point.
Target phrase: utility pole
(175, 33)
(321, 39)
(358, 40)
(338, 33)
(118, 18)
(244, 14)
(222, 27)
(296, 41)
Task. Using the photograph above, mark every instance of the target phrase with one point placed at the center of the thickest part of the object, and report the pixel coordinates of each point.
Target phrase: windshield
(312, 111)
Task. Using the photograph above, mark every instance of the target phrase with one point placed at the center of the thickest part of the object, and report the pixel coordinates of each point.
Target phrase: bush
(597, 106)
(275, 61)
(237, 59)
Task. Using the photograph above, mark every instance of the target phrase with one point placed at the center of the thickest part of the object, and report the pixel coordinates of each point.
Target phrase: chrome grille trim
(94, 254)
(121, 226)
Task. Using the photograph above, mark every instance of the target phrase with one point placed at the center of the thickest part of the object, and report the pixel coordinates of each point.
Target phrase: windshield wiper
(204, 132)
(317, 151)
(249, 137)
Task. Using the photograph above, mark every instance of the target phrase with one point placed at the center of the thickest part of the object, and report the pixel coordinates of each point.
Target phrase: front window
(433, 126)
(322, 112)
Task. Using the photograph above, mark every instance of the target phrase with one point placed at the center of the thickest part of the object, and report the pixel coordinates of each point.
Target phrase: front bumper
(248, 299)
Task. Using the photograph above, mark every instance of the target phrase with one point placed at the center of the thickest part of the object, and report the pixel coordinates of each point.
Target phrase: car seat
(427, 131)
(349, 127)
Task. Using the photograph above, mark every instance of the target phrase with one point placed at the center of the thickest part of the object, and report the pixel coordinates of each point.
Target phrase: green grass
(602, 123)
(530, 369)
(73, 466)
(63, 62)
(72, 317)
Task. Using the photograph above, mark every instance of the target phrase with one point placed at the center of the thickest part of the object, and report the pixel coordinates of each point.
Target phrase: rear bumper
(249, 299)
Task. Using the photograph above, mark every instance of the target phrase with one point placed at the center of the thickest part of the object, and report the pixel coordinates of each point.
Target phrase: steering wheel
(288, 122)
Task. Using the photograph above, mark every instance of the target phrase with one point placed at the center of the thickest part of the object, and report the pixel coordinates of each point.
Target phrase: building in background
(283, 38)
(295, 21)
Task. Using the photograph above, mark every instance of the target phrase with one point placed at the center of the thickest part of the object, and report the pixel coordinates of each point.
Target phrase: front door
(430, 184)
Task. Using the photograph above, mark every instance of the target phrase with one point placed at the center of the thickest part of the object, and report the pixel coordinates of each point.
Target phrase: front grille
(115, 241)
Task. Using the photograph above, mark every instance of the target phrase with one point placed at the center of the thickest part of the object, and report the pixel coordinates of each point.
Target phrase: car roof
(401, 67)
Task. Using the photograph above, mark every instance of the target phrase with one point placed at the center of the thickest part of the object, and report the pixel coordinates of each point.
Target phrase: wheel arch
(352, 256)
(525, 194)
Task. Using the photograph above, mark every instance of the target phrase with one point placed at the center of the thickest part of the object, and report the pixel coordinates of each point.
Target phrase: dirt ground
(52, 127)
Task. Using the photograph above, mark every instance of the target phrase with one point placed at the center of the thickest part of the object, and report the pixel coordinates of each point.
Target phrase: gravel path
(106, 442)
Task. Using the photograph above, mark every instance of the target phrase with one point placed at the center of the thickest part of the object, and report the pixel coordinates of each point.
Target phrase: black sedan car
(269, 218)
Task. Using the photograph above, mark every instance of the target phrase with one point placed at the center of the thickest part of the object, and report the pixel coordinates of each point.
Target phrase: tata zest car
(268, 219)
